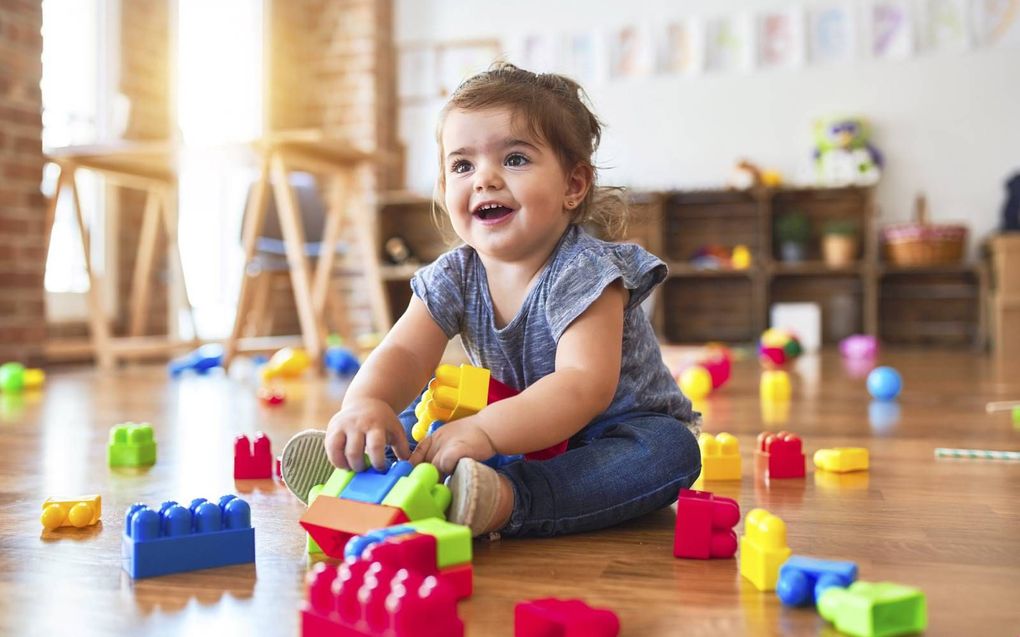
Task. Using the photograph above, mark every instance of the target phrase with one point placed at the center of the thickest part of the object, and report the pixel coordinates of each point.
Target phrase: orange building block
(332, 521)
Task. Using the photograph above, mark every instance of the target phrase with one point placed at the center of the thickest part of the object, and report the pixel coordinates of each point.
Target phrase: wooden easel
(146, 166)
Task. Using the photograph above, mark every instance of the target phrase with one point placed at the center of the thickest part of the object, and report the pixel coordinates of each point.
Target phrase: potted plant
(792, 233)
(839, 243)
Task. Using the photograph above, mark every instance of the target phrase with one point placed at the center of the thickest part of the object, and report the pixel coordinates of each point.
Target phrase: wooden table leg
(178, 287)
(143, 264)
(339, 194)
(364, 217)
(254, 217)
(99, 327)
(312, 330)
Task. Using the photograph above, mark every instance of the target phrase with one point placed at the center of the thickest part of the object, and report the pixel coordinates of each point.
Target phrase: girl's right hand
(365, 426)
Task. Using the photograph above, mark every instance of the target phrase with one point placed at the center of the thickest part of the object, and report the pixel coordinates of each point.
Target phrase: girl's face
(506, 193)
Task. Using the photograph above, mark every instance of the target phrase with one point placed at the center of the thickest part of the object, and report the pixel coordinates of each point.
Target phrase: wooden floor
(949, 527)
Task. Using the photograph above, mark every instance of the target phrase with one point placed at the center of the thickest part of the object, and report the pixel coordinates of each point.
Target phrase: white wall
(948, 123)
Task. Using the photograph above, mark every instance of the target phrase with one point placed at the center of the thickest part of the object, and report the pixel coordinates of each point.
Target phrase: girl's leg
(613, 472)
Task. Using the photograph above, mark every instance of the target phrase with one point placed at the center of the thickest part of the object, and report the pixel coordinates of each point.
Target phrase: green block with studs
(420, 495)
(131, 445)
(453, 541)
(869, 609)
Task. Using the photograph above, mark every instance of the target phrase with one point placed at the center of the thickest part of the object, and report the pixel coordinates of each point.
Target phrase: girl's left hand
(462, 438)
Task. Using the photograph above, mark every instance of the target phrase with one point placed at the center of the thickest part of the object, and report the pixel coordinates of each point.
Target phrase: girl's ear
(578, 183)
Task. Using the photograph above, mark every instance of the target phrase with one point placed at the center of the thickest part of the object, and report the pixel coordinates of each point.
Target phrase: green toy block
(336, 483)
(131, 445)
(420, 495)
(1016, 415)
(868, 609)
(453, 541)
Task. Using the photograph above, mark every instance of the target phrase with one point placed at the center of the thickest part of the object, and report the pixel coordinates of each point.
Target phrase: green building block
(420, 495)
(336, 483)
(453, 541)
(867, 609)
(1016, 415)
(131, 445)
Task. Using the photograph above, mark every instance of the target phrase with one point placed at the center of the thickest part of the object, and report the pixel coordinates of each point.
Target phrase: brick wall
(22, 206)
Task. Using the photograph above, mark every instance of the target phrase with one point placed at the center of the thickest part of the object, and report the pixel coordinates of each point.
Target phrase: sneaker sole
(463, 485)
(304, 463)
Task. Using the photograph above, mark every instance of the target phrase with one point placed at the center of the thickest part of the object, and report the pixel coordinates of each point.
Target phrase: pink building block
(368, 599)
(780, 454)
(704, 526)
(417, 552)
(563, 618)
(252, 460)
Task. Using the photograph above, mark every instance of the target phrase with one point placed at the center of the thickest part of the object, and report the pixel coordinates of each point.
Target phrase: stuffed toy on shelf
(843, 153)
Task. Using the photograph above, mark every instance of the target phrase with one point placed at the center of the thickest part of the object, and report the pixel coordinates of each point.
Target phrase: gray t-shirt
(455, 290)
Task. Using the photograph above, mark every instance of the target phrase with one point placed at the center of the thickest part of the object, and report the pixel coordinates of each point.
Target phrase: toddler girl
(549, 309)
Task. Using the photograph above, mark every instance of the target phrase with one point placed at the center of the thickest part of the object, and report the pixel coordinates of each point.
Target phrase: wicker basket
(919, 243)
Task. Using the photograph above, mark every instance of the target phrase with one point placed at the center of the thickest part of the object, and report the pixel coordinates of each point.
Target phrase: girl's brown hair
(554, 109)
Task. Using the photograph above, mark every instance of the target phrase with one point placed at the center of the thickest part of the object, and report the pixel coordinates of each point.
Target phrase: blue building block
(357, 544)
(200, 360)
(802, 580)
(341, 361)
(496, 461)
(372, 485)
(177, 539)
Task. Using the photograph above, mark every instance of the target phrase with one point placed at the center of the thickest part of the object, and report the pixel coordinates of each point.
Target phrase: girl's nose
(487, 179)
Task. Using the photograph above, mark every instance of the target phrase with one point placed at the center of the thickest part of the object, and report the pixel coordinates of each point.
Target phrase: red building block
(368, 599)
(332, 521)
(563, 618)
(704, 525)
(779, 454)
(417, 552)
(252, 460)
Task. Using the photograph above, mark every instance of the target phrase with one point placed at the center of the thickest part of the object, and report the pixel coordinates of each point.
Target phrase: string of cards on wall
(762, 41)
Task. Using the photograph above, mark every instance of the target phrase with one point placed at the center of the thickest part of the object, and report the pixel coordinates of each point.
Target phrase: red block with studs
(253, 460)
(781, 455)
(563, 618)
(704, 526)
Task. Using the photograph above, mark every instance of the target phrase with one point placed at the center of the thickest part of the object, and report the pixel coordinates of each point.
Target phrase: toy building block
(336, 483)
(802, 580)
(276, 467)
(704, 526)
(420, 494)
(453, 541)
(372, 485)
(15, 377)
(271, 396)
(775, 386)
(289, 362)
(131, 445)
(563, 618)
(362, 598)
(80, 511)
(842, 459)
(720, 456)
(780, 455)
(177, 539)
(763, 549)
(341, 361)
(867, 609)
(253, 460)
(332, 521)
(419, 552)
(199, 361)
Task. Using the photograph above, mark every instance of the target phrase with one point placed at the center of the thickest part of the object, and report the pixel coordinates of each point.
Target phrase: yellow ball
(696, 382)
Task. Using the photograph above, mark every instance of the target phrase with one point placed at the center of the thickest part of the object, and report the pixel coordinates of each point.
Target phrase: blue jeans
(614, 470)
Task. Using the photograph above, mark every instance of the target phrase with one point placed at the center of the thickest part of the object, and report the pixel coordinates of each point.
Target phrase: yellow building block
(80, 511)
(720, 456)
(775, 385)
(763, 549)
(455, 392)
(842, 459)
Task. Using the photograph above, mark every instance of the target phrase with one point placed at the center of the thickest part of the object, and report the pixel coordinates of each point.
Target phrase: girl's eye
(460, 166)
(516, 160)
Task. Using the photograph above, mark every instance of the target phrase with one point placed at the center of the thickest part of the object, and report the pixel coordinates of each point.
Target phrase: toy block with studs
(420, 494)
(704, 526)
(403, 547)
(253, 459)
(802, 580)
(842, 459)
(79, 512)
(372, 485)
(176, 539)
(720, 456)
(867, 609)
(370, 599)
(131, 445)
(779, 455)
(763, 549)
(563, 618)
(331, 522)
(453, 541)
(775, 386)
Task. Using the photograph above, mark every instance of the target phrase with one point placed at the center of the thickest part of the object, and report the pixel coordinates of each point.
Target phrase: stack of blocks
(428, 547)
(352, 503)
(763, 549)
(131, 445)
(704, 526)
(363, 598)
(177, 539)
(779, 456)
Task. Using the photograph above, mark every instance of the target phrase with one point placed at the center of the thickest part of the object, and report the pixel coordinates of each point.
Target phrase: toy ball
(12, 377)
(289, 362)
(778, 347)
(718, 361)
(859, 346)
(695, 382)
(884, 383)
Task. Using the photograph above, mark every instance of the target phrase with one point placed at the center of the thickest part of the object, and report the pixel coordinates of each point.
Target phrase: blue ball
(884, 383)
